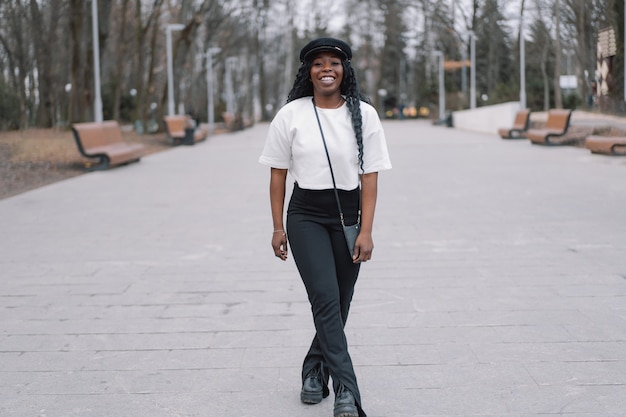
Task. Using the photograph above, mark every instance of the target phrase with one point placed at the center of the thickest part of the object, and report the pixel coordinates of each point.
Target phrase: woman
(326, 87)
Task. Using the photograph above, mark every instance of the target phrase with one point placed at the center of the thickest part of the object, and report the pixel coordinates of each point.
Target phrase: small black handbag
(352, 231)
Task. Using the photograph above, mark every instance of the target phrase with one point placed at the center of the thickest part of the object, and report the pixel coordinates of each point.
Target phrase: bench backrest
(176, 123)
(558, 119)
(522, 119)
(93, 135)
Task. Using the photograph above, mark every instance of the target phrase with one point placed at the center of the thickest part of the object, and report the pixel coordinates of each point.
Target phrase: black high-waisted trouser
(325, 265)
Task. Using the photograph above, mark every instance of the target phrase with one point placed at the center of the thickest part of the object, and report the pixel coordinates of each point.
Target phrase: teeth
(327, 78)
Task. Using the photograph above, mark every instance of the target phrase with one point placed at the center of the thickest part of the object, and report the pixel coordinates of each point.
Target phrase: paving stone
(497, 287)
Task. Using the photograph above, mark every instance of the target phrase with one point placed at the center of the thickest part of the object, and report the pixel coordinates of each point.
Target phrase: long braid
(302, 86)
(350, 89)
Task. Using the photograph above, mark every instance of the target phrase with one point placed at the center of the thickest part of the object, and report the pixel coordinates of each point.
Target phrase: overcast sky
(336, 10)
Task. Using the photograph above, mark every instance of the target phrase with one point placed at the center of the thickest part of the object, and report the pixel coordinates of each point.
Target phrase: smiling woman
(326, 121)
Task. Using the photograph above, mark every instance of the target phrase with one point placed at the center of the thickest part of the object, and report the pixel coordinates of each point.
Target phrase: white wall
(487, 119)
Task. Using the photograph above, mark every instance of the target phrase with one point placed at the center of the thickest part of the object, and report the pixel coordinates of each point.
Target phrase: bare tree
(77, 103)
(146, 32)
(392, 40)
(493, 54)
(539, 61)
(393, 53)
(117, 75)
(16, 45)
(44, 47)
(558, 99)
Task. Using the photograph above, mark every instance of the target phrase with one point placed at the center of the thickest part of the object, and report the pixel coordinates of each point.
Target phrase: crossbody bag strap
(330, 165)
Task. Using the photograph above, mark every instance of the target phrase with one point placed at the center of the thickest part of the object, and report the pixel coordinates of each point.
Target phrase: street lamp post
(473, 70)
(464, 72)
(170, 65)
(442, 98)
(97, 103)
(209, 86)
(230, 94)
(569, 53)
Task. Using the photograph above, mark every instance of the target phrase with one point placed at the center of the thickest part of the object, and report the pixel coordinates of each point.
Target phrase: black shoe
(312, 389)
(345, 405)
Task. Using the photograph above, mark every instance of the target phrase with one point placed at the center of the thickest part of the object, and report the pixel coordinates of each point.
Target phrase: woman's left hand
(279, 244)
(363, 248)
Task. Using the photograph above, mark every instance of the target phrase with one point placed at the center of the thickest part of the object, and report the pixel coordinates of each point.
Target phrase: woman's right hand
(279, 244)
(277, 201)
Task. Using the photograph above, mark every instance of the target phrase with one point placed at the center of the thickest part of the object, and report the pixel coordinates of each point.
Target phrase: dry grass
(35, 157)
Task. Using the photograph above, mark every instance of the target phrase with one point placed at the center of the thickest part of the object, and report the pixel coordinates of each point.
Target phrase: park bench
(181, 129)
(607, 145)
(104, 141)
(556, 126)
(520, 125)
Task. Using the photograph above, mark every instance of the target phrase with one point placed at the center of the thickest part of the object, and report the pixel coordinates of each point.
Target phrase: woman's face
(326, 73)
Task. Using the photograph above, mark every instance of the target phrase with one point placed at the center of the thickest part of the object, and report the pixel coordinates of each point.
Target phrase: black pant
(325, 265)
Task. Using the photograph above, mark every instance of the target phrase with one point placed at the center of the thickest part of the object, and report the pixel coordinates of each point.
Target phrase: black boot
(312, 387)
(345, 405)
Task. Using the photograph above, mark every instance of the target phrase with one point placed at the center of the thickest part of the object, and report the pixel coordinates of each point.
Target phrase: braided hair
(303, 87)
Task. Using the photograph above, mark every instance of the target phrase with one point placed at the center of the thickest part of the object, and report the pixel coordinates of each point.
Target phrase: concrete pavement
(497, 288)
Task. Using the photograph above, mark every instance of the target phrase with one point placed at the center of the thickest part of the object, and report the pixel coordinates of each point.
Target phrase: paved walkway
(498, 287)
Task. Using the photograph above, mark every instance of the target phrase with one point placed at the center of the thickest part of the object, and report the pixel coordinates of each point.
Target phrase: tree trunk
(519, 46)
(116, 79)
(16, 45)
(42, 43)
(544, 75)
(288, 45)
(262, 6)
(144, 85)
(77, 14)
(558, 100)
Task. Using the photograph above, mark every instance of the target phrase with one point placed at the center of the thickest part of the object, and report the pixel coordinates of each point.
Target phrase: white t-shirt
(294, 142)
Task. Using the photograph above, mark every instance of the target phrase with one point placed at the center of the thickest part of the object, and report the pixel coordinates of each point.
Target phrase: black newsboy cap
(326, 44)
